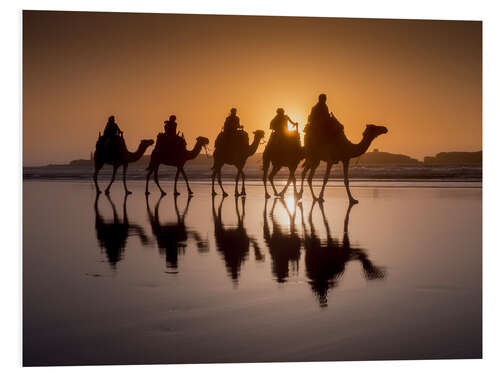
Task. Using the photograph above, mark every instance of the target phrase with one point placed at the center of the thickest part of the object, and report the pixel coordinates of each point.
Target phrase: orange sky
(422, 79)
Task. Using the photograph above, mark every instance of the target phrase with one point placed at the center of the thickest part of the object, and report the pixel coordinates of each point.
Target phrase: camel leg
(285, 188)
(176, 193)
(325, 180)
(310, 178)
(190, 192)
(127, 191)
(294, 180)
(97, 168)
(271, 179)
(243, 191)
(219, 179)
(115, 168)
(265, 168)
(303, 176)
(157, 182)
(346, 182)
(214, 172)
(236, 185)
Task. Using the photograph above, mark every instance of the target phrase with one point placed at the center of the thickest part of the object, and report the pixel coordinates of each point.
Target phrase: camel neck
(195, 151)
(361, 147)
(253, 147)
(134, 156)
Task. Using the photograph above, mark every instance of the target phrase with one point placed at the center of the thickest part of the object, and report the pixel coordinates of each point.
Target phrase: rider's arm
(290, 120)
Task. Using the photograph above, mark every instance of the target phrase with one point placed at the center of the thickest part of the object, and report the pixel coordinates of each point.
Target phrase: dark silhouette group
(324, 140)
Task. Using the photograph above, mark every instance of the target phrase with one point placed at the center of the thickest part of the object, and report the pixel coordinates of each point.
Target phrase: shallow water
(277, 284)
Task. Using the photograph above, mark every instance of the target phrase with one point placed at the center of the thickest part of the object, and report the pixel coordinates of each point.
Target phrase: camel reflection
(113, 235)
(325, 262)
(234, 243)
(172, 237)
(284, 245)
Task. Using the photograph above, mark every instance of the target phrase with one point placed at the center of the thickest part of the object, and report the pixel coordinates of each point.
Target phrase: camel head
(259, 134)
(373, 131)
(203, 141)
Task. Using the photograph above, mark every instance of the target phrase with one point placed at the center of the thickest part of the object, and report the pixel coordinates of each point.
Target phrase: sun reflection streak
(285, 212)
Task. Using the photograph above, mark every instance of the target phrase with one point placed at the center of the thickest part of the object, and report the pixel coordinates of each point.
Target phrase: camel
(160, 155)
(236, 154)
(113, 235)
(121, 158)
(233, 243)
(325, 261)
(282, 151)
(338, 149)
(171, 237)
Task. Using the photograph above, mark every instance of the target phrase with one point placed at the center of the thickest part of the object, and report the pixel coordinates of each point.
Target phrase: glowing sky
(422, 79)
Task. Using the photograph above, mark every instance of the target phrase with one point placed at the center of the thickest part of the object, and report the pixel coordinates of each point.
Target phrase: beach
(143, 281)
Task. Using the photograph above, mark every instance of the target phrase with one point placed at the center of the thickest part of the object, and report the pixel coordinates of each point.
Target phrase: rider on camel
(279, 125)
(232, 123)
(111, 132)
(170, 126)
(321, 121)
(175, 142)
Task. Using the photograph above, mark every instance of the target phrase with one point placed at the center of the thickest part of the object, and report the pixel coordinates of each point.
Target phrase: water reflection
(112, 235)
(283, 244)
(171, 237)
(325, 261)
(233, 242)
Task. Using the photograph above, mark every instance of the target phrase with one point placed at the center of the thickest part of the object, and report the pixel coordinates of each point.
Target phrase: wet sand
(404, 281)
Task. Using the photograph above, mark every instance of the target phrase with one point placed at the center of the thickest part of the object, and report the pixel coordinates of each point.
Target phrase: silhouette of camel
(325, 262)
(283, 247)
(234, 153)
(160, 155)
(171, 237)
(338, 149)
(113, 235)
(284, 151)
(233, 243)
(121, 158)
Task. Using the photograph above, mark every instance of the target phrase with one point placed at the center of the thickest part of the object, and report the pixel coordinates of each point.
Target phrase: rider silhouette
(112, 128)
(175, 142)
(321, 121)
(280, 122)
(171, 126)
(279, 125)
(111, 132)
(232, 122)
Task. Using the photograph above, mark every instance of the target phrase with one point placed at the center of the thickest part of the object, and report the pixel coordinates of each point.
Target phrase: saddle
(235, 140)
(109, 145)
(326, 132)
(174, 144)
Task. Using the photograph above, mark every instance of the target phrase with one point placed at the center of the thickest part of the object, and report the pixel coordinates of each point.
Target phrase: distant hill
(455, 158)
(380, 158)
